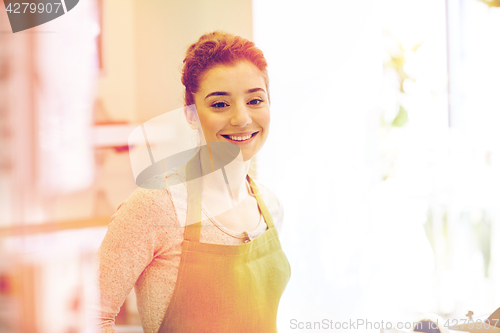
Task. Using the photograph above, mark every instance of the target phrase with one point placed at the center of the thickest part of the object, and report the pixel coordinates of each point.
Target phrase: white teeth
(240, 138)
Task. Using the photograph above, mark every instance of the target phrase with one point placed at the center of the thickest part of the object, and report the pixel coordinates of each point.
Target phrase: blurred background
(384, 150)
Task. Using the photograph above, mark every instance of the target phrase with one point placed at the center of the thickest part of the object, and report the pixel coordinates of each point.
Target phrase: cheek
(264, 119)
(210, 124)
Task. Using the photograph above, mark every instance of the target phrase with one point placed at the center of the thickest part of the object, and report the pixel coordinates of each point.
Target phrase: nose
(240, 116)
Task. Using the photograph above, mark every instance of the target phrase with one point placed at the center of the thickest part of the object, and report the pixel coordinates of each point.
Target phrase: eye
(219, 105)
(255, 101)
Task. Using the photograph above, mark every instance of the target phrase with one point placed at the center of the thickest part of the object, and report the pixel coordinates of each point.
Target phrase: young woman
(204, 256)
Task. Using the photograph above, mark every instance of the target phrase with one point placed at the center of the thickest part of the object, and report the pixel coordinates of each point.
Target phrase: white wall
(144, 43)
(164, 30)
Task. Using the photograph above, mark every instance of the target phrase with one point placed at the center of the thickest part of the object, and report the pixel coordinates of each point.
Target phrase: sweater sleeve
(127, 249)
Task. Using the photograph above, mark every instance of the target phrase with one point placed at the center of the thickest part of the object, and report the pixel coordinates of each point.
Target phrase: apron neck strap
(194, 178)
(260, 202)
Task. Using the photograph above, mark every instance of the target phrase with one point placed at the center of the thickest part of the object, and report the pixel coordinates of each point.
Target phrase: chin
(248, 156)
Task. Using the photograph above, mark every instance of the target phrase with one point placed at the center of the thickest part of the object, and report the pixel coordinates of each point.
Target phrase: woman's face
(233, 106)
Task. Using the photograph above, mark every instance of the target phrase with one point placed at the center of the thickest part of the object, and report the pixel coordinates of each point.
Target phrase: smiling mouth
(240, 138)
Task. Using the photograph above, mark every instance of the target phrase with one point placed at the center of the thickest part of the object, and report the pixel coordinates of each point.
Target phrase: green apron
(227, 288)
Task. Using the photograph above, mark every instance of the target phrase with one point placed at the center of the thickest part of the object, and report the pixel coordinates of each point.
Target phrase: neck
(226, 187)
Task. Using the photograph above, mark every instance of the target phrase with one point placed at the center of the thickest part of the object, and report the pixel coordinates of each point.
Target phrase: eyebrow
(223, 93)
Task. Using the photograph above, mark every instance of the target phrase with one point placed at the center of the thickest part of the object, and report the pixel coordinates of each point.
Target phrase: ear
(192, 116)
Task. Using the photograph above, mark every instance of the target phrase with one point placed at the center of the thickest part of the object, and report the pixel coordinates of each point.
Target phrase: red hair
(217, 48)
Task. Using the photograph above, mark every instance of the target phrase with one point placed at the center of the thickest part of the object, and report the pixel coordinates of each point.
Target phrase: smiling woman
(233, 106)
(188, 275)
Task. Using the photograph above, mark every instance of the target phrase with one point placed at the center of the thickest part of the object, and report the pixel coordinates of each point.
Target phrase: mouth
(240, 138)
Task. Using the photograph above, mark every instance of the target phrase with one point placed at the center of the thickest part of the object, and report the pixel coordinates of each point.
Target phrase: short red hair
(217, 48)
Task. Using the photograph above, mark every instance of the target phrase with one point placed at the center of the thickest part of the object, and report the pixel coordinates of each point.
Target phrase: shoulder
(146, 205)
(273, 203)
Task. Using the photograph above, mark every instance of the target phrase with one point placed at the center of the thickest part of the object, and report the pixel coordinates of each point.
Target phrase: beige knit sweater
(142, 249)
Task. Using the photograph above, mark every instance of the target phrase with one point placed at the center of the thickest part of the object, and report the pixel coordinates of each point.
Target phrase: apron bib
(227, 288)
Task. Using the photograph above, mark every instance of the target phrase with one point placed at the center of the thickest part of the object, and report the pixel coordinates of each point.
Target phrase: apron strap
(192, 232)
(262, 205)
(194, 178)
(193, 221)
